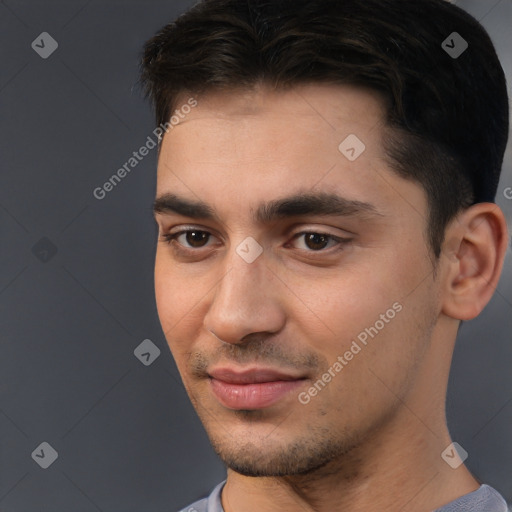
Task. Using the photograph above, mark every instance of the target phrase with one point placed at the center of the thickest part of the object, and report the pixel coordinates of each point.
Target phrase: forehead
(302, 110)
(247, 146)
(238, 126)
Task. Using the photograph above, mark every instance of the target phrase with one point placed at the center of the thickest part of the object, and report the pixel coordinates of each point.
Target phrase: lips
(256, 388)
(252, 376)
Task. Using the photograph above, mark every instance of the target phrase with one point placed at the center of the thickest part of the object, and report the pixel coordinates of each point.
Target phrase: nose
(245, 301)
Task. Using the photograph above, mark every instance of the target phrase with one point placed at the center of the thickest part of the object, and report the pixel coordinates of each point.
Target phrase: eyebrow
(320, 204)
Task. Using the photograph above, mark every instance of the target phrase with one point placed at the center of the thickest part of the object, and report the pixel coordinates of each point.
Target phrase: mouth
(255, 388)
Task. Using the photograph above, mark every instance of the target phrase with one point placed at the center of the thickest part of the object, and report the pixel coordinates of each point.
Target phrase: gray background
(126, 435)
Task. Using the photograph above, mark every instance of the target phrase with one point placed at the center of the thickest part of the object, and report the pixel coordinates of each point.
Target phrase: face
(306, 259)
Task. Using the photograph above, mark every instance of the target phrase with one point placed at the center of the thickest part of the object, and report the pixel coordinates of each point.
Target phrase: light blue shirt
(484, 499)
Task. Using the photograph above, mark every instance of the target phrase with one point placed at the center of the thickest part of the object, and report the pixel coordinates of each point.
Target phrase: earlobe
(474, 251)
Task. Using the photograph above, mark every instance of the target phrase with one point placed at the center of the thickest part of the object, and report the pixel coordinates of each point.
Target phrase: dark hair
(447, 116)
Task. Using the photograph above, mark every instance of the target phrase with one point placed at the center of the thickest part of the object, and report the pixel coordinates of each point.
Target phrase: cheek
(343, 305)
(379, 354)
(181, 299)
(164, 293)
(366, 313)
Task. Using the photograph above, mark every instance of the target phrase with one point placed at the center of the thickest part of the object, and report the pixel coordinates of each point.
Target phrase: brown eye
(316, 241)
(193, 238)
(196, 238)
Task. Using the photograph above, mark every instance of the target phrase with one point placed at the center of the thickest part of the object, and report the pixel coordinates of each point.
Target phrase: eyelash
(168, 238)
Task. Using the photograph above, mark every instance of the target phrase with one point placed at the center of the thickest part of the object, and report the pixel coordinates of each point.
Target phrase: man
(325, 193)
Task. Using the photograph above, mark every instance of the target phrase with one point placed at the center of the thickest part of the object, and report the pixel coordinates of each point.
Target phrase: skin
(372, 438)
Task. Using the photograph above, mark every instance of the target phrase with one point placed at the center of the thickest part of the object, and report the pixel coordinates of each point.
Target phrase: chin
(278, 458)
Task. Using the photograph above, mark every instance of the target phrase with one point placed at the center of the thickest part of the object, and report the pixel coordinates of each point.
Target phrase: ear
(472, 257)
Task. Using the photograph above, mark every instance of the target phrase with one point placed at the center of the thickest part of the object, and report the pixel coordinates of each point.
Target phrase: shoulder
(212, 503)
(484, 499)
